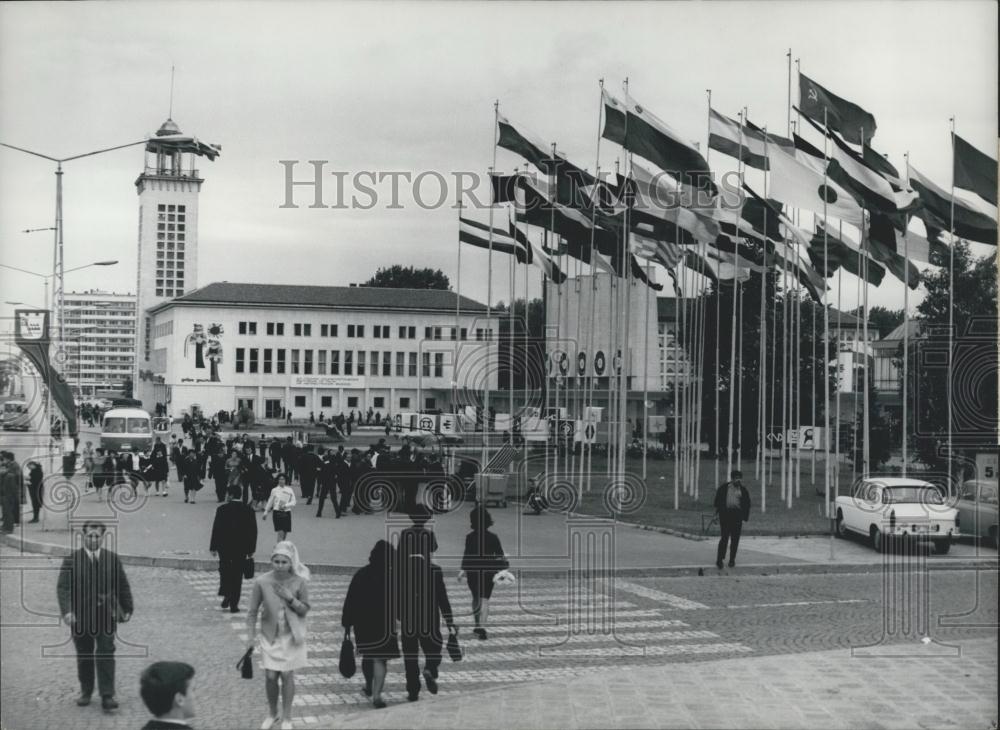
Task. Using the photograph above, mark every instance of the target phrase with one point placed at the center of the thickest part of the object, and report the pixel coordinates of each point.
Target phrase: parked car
(977, 508)
(883, 509)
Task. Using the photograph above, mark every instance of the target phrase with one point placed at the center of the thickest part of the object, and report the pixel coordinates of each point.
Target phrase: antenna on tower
(170, 114)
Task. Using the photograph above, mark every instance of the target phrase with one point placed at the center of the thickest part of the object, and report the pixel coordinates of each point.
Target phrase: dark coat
(720, 500)
(234, 531)
(370, 610)
(483, 552)
(423, 598)
(309, 466)
(93, 592)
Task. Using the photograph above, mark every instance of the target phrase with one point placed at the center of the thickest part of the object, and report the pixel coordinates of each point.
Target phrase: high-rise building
(100, 340)
(168, 189)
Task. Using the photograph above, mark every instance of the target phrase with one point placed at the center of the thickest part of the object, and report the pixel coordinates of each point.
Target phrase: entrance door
(242, 403)
(272, 408)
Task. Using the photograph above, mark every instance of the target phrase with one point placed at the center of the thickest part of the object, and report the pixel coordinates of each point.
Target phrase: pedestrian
(328, 483)
(165, 688)
(160, 472)
(281, 501)
(176, 456)
(94, 596)
(423, 601)
(309, 466)
(220, 474)
(192, 481)
(370, 610)
(35, 488)
(417, 539)
(732, 504)
(89, 464)
(482, 560)
(10, 491)
(282, 597)
(234, 541)
(288, 458)
(234, 472)
(275, 451)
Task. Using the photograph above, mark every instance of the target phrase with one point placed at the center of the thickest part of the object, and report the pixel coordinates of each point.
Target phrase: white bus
(126, 429)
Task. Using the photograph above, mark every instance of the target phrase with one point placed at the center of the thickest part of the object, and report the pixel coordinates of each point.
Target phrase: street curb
(674, 571)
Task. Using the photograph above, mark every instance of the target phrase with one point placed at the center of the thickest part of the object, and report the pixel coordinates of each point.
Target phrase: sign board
(986, 465)
(593, 413)
(448, 423)
(328, 381)
(501, 422)
(426, 422)
(805, 438)
(657, 424)
(586, 432)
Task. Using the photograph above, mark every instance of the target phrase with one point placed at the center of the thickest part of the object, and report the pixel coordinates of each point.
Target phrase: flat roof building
(100, 340)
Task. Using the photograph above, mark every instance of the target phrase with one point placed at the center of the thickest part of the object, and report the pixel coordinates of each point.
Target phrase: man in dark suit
(234, 539)
(165, 688)
(309, 466)
(423, 601)
(94, 595)
(732, 503)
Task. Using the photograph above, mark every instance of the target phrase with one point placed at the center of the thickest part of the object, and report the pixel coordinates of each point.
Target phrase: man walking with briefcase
(234, 540)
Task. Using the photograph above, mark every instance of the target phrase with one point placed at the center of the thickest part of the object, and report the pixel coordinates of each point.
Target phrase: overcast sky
(410, 87)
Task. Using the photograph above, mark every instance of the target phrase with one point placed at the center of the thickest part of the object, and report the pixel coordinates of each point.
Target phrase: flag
(31, 334)
(746, 144)
(971, 223)
(841, 253)
(800, 184)
(536, 254)
(849, 119)
(478, 234)
(849, 169)
(712, 268)
(974, 170)
(922, 249)
(665, 253)
(639, 131)
(878, 162)
(183, 143)
(884, 245)
(655, 197)
(638, 272)
(572, 181)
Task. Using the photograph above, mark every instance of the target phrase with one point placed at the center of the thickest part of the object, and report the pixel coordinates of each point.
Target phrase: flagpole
(867, 414)
(510, 345)
(836, 425)
(951, 302)
(489, 295)
(904, 389)
(458, 310)
(554, 197)
(826, 349)
(762, 366)
(732, 337)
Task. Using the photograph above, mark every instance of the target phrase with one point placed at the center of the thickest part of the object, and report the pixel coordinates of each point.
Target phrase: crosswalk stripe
(651, 593)
(498, 618)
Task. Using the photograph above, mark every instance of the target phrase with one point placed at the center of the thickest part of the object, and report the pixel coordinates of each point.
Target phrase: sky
(410, 87)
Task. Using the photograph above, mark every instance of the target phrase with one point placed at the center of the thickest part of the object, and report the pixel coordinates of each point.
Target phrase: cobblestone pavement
(579, 654)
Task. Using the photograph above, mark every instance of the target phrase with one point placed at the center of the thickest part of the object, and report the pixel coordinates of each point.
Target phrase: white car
(896, 508)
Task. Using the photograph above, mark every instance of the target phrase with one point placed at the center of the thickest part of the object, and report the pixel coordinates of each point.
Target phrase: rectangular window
(300, 401)
(352, 401)
(281, 328)
(385, 332)
(428, 332)
(322, 330)
(430, 404)
(267, 359)
(361, 362)
(321, 365)
(270, 328)
(438, 364)
(251, 327)
(281, 361)
(240, 355)
(241, 327)
(307, 330)
(361, 330)
(326, 401)
(452, 333)
(412, 333)
(295, 361)
(373, 363)
(333, 330)
(426, 363)
(334, 362)
(465, 333)
(437, 333)
(350, 330)
(307, 364)
(379, 402)
(412, 365)
(348, 362)
(297, 329)
(377, 332)
(253, 359)
(402, 333)
(404, 403)
(386, 364)
(400, 364)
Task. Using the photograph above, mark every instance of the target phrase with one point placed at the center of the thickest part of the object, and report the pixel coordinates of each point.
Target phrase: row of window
(378, 402)
(309, 362)
(379, 331)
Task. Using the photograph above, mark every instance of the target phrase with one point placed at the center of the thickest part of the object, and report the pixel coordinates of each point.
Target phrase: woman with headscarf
(281, 595)
(370, 610)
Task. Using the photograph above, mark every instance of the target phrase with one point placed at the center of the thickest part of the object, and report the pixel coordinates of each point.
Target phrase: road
(542, 630)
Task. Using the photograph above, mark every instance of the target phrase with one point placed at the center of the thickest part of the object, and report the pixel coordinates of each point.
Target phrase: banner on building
(31, 334)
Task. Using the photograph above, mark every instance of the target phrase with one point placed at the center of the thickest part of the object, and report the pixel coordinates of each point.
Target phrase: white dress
(283, 654)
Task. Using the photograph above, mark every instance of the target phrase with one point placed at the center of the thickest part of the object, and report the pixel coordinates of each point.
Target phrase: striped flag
(478, 234)
(665, 253)
(536, 254)
(726, 136)
(974, 170)
(972, 222)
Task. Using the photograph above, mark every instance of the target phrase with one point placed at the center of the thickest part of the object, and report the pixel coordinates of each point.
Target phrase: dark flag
(970, 223)
(883, 245)
(847, 118)
(31, 334)
(478, 234)
(571, 181)
(841, 253)
(974, 170)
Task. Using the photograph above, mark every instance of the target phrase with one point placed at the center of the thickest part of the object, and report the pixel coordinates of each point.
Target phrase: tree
(409, 277)
(974, 357)
(884, 320)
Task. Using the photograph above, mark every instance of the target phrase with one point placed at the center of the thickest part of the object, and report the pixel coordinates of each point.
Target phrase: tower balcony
(168, 172)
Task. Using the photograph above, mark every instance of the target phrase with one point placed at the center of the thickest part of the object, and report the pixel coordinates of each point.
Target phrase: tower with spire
(168, 189)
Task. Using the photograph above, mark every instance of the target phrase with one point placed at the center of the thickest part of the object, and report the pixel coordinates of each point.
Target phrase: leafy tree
(408, 277)
(884, 320)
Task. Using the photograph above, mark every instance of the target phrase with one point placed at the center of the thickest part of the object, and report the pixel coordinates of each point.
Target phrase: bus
(126, 429)
(16, 416)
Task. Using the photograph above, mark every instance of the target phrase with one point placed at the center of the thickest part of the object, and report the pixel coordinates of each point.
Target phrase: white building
(100, 340)
(277, 348)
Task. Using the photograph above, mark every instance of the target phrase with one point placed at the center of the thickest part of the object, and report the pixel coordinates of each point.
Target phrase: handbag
(454, 648)
(245, 664)
(347, 664)
(248, 567)
(504, 578)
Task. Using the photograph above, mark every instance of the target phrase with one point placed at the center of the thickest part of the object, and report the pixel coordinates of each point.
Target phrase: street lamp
(46, 277)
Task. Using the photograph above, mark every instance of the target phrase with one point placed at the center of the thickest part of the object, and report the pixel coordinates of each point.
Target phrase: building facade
(282, 349)
(100, 341)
